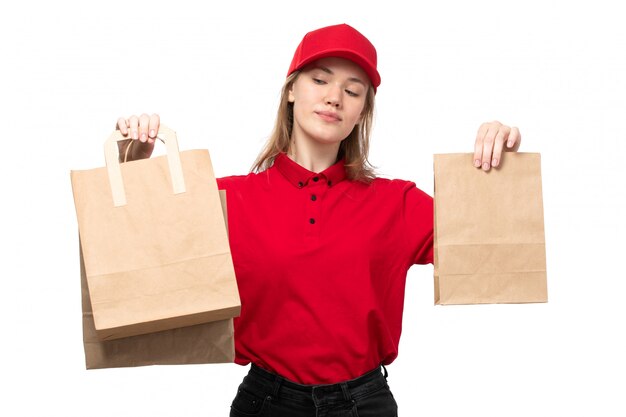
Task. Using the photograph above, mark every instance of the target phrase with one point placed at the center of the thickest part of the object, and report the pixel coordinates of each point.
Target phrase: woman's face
(328, 98)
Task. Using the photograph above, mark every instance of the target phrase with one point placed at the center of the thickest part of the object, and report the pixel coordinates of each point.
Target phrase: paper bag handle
(111, 156)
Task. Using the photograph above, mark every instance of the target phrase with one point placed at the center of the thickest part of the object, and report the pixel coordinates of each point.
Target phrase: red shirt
(321, 264)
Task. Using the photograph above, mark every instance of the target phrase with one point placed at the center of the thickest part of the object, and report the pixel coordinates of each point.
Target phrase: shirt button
(312, 221)
(316, 179)
(313, 197)
(300, 184)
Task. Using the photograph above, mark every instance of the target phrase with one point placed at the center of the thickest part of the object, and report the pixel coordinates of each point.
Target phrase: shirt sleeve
(418, 219)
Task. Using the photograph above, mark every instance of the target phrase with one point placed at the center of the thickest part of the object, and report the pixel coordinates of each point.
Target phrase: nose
(333, 95)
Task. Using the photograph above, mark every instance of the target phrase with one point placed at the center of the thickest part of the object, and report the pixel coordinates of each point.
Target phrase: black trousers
(265, 394)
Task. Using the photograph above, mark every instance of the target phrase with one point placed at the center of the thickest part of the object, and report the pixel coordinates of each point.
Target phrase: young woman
(321, 247)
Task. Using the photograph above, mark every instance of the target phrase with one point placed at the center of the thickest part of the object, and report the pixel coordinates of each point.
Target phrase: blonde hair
(354, 149)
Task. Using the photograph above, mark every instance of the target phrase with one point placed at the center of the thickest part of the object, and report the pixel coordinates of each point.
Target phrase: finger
(133, 125)
(153, 127)
(144, 121)
(122, 126)
(515, 138)
(501, 137)
(478, 144)
(488, 143)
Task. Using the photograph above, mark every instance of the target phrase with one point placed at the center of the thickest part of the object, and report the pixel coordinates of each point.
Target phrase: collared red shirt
(321, 264)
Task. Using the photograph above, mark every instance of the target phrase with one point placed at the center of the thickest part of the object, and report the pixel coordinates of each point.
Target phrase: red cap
(341, 41)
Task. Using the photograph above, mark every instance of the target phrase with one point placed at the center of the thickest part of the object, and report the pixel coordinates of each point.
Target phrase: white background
(554, 68)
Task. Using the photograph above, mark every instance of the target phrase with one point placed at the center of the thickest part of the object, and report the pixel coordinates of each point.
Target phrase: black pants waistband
(278, 386)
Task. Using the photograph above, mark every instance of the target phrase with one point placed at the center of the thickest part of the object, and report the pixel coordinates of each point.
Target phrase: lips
(328, 116)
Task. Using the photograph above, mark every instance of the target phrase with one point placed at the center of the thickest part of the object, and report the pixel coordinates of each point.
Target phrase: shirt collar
(300, 176)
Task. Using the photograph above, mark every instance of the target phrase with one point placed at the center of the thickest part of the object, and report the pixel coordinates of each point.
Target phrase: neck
(315, 157)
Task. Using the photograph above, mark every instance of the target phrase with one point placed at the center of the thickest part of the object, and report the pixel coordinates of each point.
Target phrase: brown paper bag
(489, 244)
(203, 343)
(154, 243)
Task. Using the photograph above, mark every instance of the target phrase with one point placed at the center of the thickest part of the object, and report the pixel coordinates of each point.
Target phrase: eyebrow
(328, 71)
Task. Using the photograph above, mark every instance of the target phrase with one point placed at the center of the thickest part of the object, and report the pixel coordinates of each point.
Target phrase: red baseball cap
(341, 41)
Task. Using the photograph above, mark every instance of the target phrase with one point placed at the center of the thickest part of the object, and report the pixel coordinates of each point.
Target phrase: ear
(291, 97)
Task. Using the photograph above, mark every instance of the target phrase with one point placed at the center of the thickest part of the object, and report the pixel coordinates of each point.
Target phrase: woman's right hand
(141, 132)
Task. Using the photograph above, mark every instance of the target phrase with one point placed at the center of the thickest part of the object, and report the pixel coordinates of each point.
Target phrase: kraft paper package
(155, 249)
(203, 343)
(489, 232)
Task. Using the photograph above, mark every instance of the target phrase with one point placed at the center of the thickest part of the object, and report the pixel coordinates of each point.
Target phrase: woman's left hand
(492, 138)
